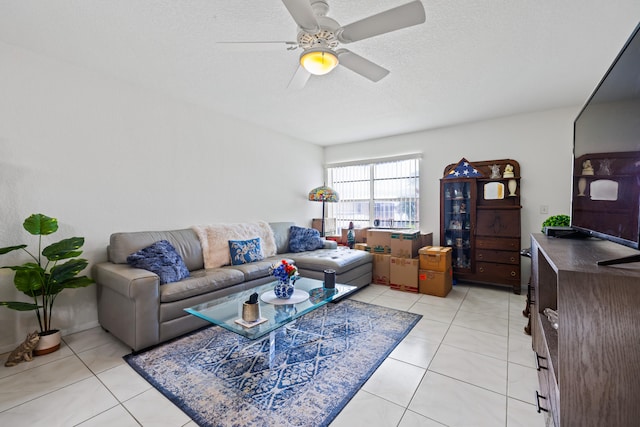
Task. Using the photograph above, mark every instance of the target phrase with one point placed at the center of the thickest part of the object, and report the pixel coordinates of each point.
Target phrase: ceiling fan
(320, 36)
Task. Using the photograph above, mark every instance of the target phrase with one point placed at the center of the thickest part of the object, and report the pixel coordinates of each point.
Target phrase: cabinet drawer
(499, 223)
(504, 257)
(498, 272)
(499, 244)
(548, 389)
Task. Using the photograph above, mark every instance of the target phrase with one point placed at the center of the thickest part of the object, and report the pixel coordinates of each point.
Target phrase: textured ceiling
(471, 60)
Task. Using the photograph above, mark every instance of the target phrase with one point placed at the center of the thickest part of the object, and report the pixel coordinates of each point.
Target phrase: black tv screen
(606, 149)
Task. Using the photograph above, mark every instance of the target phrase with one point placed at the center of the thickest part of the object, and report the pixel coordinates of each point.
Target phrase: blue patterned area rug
(304, 376)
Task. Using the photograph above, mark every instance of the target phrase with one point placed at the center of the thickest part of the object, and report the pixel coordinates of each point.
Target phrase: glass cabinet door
(457, 222)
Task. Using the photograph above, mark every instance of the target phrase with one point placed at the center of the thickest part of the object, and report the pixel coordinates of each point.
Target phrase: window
(383, 193)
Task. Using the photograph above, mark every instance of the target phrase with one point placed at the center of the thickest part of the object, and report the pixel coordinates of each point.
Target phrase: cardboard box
(427, 239)
(381, 269)
(404, 273)
(436, 283)
(378, 237)
(360, 246)
(435, 258)
(405, 244)
(404, 288)
(329, 225)
(379, 249)
(360, 235)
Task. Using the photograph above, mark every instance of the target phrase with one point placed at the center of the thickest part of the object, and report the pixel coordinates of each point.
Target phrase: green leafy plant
(557, 221)
(44, 279)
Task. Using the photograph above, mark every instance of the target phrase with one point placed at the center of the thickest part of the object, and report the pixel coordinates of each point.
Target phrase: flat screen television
(606, 155)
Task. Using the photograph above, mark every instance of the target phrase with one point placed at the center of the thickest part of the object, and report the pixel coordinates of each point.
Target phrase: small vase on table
(284, 288)
(286, 274)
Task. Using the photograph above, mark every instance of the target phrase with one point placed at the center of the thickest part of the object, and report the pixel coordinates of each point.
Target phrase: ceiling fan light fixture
(318, 61)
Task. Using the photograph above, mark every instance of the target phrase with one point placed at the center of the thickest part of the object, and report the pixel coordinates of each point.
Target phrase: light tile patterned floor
(466, 363)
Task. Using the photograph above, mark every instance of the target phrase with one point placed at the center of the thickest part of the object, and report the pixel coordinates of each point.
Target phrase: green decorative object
(43, 279)
(557, 221)
(351, 236)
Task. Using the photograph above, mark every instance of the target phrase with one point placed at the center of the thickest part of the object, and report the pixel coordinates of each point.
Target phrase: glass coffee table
(227, 311)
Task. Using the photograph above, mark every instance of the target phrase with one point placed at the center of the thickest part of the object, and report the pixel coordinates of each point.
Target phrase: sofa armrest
(128, 303)
(127, 281)
(330, 244)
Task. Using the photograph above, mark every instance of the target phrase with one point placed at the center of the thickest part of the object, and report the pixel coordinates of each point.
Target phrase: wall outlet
(544, 209)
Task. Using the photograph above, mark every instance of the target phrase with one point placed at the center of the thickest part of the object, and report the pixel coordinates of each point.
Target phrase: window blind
(381, 193)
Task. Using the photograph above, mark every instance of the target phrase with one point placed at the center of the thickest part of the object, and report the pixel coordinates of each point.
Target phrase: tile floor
(466, 363)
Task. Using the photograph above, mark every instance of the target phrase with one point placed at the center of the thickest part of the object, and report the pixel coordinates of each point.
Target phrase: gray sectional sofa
(138, 310)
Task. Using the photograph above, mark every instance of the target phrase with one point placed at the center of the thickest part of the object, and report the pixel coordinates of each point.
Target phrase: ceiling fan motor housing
(323, 38)
(320, 36)
(326, 36)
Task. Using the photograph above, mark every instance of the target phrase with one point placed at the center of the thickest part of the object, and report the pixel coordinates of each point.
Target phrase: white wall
(541, 143)
(103, 156)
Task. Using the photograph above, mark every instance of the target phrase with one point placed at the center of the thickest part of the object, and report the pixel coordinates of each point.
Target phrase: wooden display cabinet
(589, 367)
(480, 220)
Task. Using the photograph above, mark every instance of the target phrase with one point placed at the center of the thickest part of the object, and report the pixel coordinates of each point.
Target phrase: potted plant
(43, 278)
(557, 221)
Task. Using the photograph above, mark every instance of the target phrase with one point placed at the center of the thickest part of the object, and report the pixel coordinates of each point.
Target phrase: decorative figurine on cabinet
(605, 167)
(587, 169)
(495, 171)
(508, 171)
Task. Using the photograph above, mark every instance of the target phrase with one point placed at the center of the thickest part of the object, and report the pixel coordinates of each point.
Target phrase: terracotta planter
(49, 342)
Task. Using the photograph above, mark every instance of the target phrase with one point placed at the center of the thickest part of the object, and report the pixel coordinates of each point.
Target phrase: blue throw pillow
(244, 251)
(304, 239)
(160, 258)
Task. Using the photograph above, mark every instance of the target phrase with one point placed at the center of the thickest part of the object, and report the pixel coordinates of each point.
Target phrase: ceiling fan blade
(299, 79)
(360, 65)
(302, 13)
(393, 19)
(257, 46)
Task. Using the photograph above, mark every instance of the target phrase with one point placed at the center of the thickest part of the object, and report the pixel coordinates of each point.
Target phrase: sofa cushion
(256, 270)
(214, 240)
(185, 241)
(281, 235)
(201, 282)
(244, 251)
(304, 239)
(340, 260)
(162, 259)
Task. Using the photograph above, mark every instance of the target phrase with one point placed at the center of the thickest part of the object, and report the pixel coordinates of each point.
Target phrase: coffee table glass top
(226, 310)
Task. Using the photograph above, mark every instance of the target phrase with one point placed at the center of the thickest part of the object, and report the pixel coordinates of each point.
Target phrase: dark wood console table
(589, 368)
